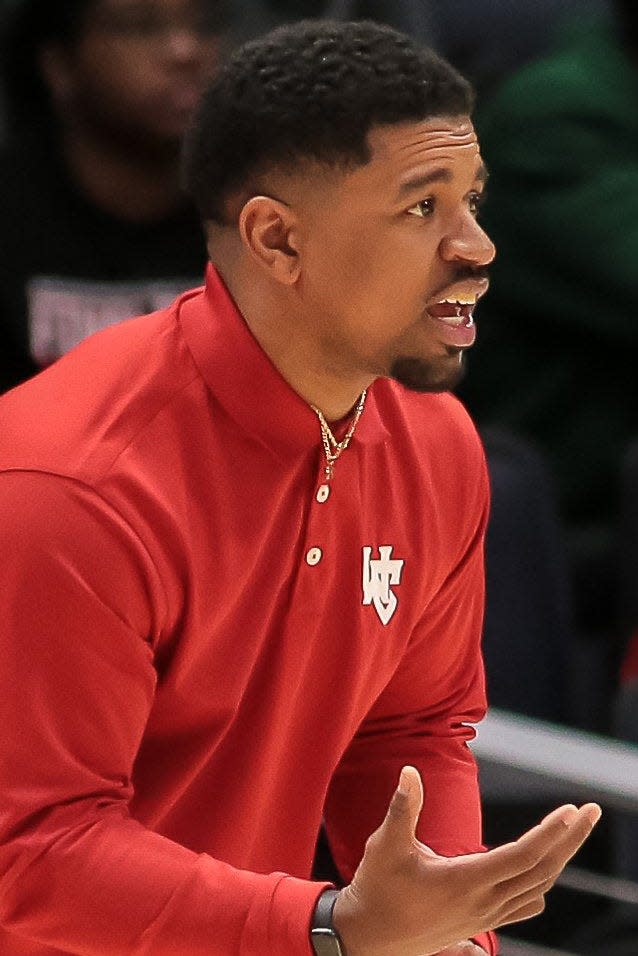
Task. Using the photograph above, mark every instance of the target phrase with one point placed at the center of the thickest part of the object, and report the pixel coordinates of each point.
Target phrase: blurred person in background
(94, 225)
(560, 338)
(485, 39)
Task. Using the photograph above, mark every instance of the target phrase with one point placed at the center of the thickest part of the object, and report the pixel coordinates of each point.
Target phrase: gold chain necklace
(331, 446)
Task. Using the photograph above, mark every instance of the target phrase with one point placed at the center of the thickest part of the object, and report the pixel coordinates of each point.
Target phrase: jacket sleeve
(424, 718)
(80, 603)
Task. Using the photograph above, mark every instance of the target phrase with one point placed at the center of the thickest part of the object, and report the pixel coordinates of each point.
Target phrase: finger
(405, 807)
(521, 902)
(570, 841)
(556, 838)
(542, 876)
(524, 906)
(531, 909)
(575, 820)
(553, 863)
(466, 948)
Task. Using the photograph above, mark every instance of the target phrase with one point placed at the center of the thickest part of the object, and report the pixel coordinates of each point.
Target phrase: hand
(406, 900)
(467, 948)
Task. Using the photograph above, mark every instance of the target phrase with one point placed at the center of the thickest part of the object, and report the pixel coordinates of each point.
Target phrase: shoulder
(433, 426)
(429, 413)
(76, 417)
(433, 465)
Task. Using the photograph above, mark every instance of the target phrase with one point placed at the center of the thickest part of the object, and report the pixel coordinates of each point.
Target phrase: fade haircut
(311, 91)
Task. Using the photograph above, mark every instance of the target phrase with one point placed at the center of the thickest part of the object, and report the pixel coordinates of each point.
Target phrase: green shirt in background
(558, 332)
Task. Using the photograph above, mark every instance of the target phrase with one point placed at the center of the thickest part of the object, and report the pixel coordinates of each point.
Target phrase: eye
(475, 201)
(424, 208)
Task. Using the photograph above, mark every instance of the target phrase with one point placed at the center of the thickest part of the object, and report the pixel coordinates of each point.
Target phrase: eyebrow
(439, 175)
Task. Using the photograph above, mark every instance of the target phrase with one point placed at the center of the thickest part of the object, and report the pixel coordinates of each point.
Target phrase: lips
(452, 312)
(455, 322)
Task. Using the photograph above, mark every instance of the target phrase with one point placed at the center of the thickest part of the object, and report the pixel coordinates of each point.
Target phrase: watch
(323, 936)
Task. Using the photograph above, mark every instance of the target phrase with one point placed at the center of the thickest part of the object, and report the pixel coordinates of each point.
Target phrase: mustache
(479, 272)
(463, 275)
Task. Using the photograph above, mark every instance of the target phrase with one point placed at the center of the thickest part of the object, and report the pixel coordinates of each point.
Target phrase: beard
(418, 375)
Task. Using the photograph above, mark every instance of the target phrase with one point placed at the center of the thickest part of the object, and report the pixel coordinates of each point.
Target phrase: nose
(468, 243)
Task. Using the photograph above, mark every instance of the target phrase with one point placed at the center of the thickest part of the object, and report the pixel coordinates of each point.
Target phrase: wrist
(324, 936)
(346, 919)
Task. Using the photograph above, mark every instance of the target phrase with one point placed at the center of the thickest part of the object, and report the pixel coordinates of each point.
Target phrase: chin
(420, 376)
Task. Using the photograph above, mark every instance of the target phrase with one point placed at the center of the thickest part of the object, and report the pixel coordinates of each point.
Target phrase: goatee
(420, 376)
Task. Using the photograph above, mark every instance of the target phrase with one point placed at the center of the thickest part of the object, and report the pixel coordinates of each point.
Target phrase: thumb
(463, 949)
(405, 806)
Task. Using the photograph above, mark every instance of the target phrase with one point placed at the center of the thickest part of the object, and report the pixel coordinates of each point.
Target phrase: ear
(270, 231)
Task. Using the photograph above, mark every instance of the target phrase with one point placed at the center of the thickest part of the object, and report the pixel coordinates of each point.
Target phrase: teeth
(459, 320)
(461, 301)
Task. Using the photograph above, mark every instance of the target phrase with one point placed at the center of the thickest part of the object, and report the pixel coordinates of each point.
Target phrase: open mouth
(454, 312)
(454, 319)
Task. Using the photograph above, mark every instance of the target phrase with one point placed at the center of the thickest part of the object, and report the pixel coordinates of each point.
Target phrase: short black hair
(311, 90)
(30, 25)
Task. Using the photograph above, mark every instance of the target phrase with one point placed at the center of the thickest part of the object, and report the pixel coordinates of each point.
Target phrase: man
(244, 584)
(95, 227)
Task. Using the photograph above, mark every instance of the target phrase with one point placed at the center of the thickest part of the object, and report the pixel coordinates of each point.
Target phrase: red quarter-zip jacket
(206, 647)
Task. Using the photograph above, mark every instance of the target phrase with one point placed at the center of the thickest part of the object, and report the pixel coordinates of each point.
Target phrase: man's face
(139, 67)
(394, 259)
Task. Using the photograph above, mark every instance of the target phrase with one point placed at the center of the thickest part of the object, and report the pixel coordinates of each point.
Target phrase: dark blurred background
(94, 98)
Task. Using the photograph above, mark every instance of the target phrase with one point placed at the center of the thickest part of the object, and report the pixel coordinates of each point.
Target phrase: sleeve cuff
(288, 916)
(488, 941)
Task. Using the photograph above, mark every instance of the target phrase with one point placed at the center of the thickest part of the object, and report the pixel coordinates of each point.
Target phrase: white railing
(522, 759)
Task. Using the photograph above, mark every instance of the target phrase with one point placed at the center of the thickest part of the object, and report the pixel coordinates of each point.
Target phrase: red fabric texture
(183, 695)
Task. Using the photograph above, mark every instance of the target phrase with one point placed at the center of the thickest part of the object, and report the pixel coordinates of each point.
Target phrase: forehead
(408, 149)
(404, 159)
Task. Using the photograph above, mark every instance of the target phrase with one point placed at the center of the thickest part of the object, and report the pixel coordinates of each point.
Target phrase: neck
(308, 372)
(131, 187)
(288, 338)
(334, 398)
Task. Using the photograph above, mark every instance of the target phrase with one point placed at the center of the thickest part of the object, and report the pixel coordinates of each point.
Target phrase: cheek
(379, 276)
(354, 263)
(402, 256)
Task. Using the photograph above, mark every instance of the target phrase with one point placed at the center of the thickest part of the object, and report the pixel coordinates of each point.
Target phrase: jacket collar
(244, 380)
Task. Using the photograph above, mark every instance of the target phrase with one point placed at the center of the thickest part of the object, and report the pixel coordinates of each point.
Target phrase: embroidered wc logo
(378, 575)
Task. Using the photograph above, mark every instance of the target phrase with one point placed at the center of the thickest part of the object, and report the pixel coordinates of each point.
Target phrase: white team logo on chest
(378, 574)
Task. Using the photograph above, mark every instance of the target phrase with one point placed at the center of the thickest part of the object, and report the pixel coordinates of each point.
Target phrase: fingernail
(570, 815)
(595, 814)
(404, 785)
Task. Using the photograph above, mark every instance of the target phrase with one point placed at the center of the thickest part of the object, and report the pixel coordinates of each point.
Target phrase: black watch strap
(323, 936)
